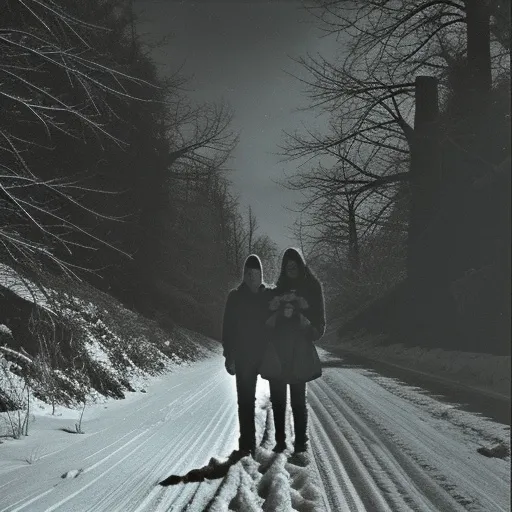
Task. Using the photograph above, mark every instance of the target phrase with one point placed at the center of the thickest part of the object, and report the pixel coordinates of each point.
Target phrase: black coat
(244, 336)
(311, 289)
(287, 334)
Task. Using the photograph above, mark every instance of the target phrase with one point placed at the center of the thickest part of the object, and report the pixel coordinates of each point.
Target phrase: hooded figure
(244, 341)
(297, 279)
(298, 304)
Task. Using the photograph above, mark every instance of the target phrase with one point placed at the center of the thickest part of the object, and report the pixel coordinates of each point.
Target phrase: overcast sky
(240, 51)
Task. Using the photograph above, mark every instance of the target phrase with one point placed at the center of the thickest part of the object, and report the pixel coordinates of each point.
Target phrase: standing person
(243, 337)
(301, 292)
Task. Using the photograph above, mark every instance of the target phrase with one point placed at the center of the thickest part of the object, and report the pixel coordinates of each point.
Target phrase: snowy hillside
(82, 345)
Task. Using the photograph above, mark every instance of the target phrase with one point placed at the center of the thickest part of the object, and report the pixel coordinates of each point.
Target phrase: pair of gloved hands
(276, 301)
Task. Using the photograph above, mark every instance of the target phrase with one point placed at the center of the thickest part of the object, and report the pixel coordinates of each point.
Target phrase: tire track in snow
(8, 483)
(34, 497)
(111, 454)
(136, 412)
(332, 453)
(80, 444)
(210, 493)
(187, 447)
(353, 451)
(81, 489)
(160, 496)
(101, 475)
(446, 472)
(206, 491)
(205, 391)
(228, 417)
(207, 438)
(45, 493)
(109, 445)
(158, 456)
(181, 448)
(361, 462)
(136, 483)
(373, 456)
(116, 499)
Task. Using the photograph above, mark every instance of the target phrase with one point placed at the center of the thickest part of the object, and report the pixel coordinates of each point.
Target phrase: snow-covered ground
(376, 444)
(485, 372)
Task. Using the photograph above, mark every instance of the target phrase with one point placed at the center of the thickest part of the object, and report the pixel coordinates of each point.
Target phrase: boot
(280, 447)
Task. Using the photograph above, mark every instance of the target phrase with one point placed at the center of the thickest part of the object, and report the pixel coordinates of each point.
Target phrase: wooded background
(410, 220)
(109, 173)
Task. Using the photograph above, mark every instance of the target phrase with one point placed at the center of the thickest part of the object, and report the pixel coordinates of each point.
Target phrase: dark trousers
(299, 409)
(246, 379)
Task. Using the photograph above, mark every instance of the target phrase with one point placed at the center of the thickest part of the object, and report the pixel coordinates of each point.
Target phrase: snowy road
(377, 445)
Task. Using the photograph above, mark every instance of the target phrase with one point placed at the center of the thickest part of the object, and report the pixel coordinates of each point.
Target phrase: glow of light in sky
(242, 53)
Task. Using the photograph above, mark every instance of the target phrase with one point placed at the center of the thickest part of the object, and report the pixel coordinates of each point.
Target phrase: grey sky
(240, 52)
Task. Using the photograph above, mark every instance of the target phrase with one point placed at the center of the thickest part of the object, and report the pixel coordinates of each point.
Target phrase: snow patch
(486, 371)
(5, 330)
(73, 473)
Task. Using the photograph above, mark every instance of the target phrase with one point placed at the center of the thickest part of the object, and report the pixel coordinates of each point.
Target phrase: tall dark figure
(296, 285)
(244, 340)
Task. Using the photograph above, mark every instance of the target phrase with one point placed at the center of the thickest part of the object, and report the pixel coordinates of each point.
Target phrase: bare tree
(399, 39)
(252, 227)
(201, 137)
(370, 93)
(370, 99)
(53, 83)
(267, 251)
(239, 240)
(345, 203)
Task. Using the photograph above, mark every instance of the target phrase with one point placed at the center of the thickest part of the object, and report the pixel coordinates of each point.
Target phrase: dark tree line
(108, 172)
(413, 173)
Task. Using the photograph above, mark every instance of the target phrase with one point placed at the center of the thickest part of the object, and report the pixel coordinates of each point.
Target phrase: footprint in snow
(72, 474)
(300, 459)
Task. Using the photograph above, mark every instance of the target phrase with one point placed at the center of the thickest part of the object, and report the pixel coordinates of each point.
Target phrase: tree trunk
(252, 227)
(425, 180)
(353, 242)
(479, 48)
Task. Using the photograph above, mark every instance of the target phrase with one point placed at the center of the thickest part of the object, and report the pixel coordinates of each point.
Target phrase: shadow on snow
(213, 470)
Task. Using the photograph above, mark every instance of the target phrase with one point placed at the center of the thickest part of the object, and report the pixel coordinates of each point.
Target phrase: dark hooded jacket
(244, 336)
(286, 334)
(309, 287)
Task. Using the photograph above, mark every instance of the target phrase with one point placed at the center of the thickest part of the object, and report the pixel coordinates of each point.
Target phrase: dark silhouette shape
(280, 447)
(340, 363)
(301, 292)
(243, 340)
(499, 451)
(76, 430)
(213, 470)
